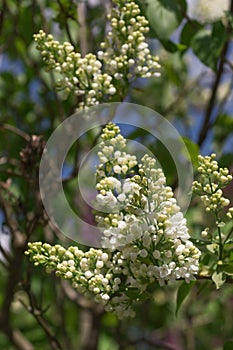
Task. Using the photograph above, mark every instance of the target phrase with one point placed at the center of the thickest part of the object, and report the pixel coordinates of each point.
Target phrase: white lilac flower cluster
(125, 52)
(212, 180)
(145, 237)
(143, 222)
(124, 56)
(83, 76)
(207, 11)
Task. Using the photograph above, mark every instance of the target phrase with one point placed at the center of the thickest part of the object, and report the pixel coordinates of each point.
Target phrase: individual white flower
(88, 274)
(107, 201)
(164, 271)
(177, 227)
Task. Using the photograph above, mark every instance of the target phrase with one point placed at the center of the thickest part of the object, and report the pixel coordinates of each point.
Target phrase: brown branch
(211, 104)
(16, 338)
(11, 128)
(60, 301)
(10, 173)
(82, 28)
(152, 341)
(11, 161)
(19, 245)
(6, 256)
(107, 4)
(2, 14)
(37, 313)
(79, 299)
(90, 329)
(90, 317)
(66, 22)
(20, 341)
(14, 276)
(42, 9)
(13, 34)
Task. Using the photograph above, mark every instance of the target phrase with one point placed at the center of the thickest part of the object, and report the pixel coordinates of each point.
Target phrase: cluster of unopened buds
(125, 52)
(145, 238)
(83, 76)
(124, 56)
(212, 180)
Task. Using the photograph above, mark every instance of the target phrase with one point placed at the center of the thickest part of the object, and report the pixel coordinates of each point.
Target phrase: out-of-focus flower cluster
(212, 180)
(207, 11)
(124, 56)
(145, 237)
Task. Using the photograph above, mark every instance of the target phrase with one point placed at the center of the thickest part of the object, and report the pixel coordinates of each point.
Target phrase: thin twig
(14, 275)
(19, 244)
(39, 317)
(66, 22)
(211, 104)
(11, 128)
(11, 161)
(2, 14)
(62, 315)
(11, 37)
(153, 342)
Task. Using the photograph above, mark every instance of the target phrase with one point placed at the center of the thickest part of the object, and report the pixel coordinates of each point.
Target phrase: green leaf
(20, 47)
(165, 16)
(226, 160)
(132, 293)
(182, 293)
(193, 150)
(228, 345)
(225, 121)
(25, 24)
(226, 268)
(188, 32)
(218, 279)
(172, 47)
(207, 44)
